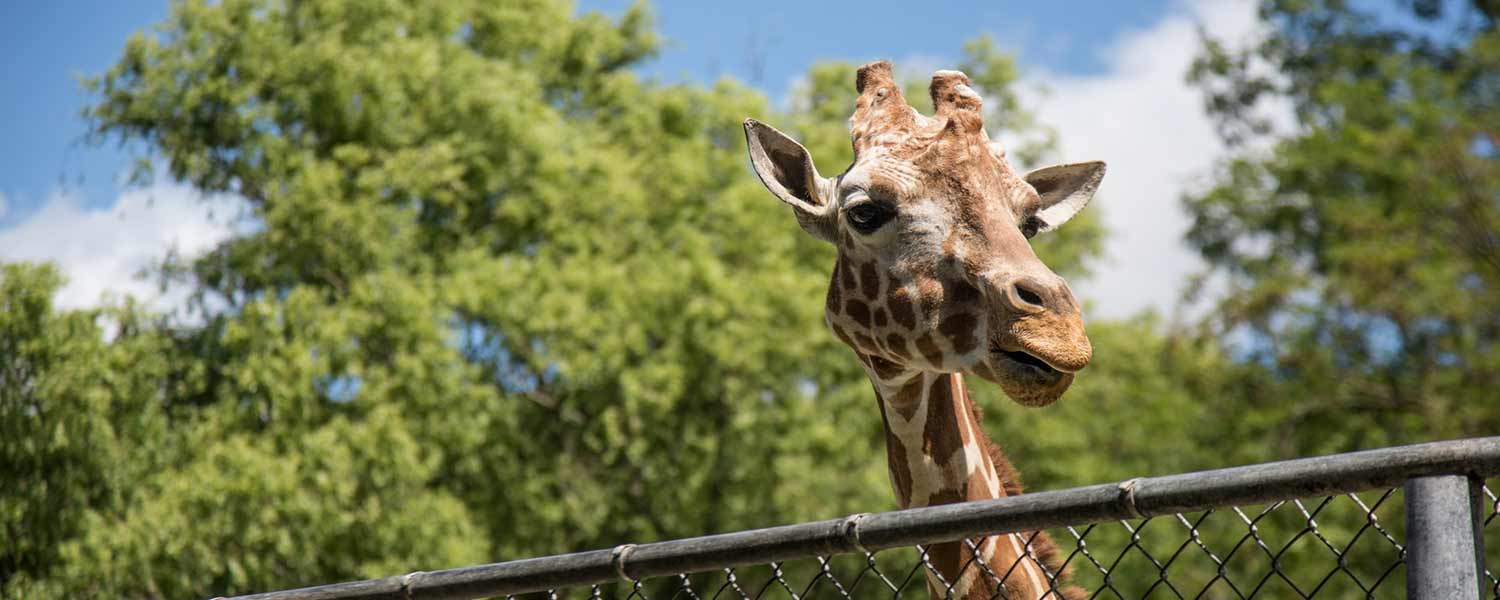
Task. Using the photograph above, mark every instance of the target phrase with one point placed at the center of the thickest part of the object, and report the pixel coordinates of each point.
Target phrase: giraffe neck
(939, 454)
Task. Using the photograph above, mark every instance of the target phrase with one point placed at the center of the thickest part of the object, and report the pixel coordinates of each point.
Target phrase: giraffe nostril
(1028, 296)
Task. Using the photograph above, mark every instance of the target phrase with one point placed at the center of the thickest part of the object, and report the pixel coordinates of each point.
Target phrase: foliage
(497, 297)
(1361, 248)
(1356, 246)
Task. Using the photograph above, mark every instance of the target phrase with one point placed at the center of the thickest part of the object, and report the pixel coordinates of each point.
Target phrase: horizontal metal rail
(1129, 499)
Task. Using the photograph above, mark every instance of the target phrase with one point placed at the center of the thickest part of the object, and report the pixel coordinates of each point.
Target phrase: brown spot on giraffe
(941, 442)
(960, 330)
(947, 559)
(900, 470)
(959, 292)
(869, 281)
(841, 334)
(944, 496)
(896, 345)
(901, 309)
(885, 369)
(958, 395)
(978, 480)
(906, 400)
(858, 311)
(930, 350)
(834, 295)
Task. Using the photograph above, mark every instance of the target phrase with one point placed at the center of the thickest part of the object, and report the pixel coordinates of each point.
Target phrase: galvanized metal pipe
(1133, 498)
(1443, 561)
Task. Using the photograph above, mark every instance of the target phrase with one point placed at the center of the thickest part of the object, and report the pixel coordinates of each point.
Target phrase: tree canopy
(1361, 247)
(499, 297)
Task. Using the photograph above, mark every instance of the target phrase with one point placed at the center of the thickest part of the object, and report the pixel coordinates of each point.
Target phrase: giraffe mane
(1040, 541)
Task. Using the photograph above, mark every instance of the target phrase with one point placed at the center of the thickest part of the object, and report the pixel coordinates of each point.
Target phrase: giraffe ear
(1064, 190)
(786, 169)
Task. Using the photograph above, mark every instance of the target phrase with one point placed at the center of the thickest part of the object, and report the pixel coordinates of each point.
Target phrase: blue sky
(48, 45)
(706, 40)
(45, 47)
(1114, 70)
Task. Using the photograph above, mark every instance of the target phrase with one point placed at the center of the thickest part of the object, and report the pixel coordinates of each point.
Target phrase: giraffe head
(935, 270)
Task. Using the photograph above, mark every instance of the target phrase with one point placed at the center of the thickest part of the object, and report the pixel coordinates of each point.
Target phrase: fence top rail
(1129, 499)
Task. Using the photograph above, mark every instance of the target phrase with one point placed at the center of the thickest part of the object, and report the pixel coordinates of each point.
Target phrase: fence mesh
(1334, 547)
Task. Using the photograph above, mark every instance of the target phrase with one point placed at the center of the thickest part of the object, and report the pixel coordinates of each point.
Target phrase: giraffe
(935, 279)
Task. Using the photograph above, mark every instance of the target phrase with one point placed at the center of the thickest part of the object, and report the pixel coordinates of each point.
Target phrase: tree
(1361, 247)
(69, 417)
(497, 298)
(1357, 245)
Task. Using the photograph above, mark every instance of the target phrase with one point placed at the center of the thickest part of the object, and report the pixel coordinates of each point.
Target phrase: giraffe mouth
(1027, 378)
(1027, 360)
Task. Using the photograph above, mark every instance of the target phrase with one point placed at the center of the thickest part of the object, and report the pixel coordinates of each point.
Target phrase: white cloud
(1142, 118)
(3, 205)
(102, 250)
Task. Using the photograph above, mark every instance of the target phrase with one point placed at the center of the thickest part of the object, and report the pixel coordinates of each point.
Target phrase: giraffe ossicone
(936, 279)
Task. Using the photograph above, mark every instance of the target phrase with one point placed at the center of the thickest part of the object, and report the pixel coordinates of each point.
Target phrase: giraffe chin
(1027, 383)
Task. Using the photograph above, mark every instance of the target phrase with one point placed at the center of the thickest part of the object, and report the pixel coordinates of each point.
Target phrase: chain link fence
(1330, 527)
(1343, 546)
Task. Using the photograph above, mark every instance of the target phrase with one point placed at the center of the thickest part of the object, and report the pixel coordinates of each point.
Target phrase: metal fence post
(1442, 556)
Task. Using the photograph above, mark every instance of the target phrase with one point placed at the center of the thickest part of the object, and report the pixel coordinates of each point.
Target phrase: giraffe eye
(866, 217)
(1030, 227)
